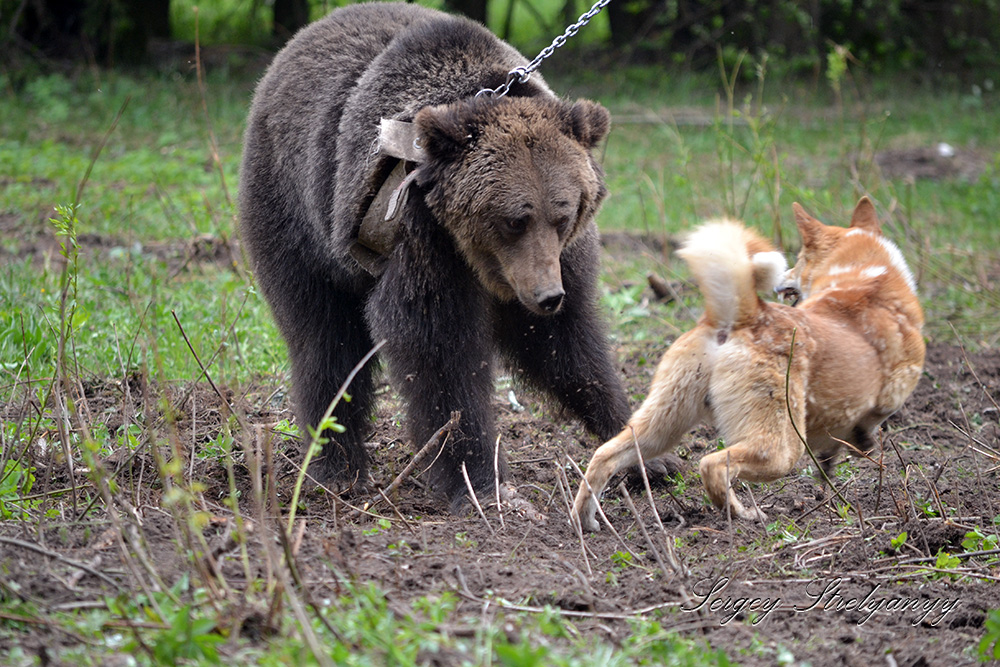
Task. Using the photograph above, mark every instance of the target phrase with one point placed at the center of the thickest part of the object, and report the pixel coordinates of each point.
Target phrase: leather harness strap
(380, 225)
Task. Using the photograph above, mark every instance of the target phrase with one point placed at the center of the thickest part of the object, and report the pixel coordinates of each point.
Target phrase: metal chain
(522, 74)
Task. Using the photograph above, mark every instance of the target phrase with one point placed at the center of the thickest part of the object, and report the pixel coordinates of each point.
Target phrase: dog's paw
(587, 524)
(584, 514)
(750, 514)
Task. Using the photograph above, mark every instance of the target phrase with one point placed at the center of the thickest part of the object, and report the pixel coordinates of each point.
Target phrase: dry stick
(600, 510)
(906, 490)
(213, 144)
(645, 480)
(635, 613)
(642, 528)
(255, 468)
(318, 433)
(760, 513)
(729, 509)
(319, 485)
(475, 500)
(675, 564)
(55, 625)
(972, 368)
(979, 478)
(59, 557)
(294, 570)
(211, 360)
(315, 647)
(451, 424)
(934, 492)
(798, 433)
(204, 370)
(577, 526)
(496, 479)
(881, 472)
(399, 514)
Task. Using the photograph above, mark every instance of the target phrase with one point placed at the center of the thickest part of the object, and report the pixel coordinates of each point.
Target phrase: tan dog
(858, 353)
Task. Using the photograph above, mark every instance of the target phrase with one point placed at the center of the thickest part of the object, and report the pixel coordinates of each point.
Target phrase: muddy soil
(822, 581)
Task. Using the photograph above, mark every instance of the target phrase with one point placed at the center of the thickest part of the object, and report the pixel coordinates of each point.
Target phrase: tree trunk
(289, 17)
(474, 9)
(158, 18)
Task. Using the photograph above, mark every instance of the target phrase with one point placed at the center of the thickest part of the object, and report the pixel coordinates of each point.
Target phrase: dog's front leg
(676, 403)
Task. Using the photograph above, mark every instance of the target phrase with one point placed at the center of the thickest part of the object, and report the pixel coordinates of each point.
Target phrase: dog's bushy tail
(731, 264)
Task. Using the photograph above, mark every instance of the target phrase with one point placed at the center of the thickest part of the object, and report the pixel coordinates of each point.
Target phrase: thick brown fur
(496, 253)
(858, 353)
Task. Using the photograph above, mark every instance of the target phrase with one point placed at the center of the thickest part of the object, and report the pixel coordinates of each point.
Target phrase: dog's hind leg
(675, 404)
(753, 417)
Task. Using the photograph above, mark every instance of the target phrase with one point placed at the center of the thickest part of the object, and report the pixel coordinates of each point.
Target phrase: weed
(989, 645)
(621, 560)
(463, 541)
(381, 524)
(15, 482)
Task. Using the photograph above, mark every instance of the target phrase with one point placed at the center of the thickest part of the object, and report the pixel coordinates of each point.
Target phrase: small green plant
(944, 566)
(287, 429)
(897, 542)
(187, 637)
(926, 507)
(789, 532)
(621, 560)
(627, 305)
(680, 484)
(977, 540)
(15, 483)
(188, 632)
(381, 524)
(463, 540)
(989, 645)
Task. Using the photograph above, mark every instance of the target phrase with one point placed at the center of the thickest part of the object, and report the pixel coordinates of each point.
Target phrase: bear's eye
(518, 225)
(562, 224)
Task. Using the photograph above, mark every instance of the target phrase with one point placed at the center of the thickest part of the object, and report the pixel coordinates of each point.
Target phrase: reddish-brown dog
(834, 368)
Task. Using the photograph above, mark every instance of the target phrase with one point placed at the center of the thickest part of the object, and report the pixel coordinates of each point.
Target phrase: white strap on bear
(377, 233)
(400, 139)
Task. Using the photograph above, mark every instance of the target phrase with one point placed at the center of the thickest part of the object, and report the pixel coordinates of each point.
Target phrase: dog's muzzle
(789, 294)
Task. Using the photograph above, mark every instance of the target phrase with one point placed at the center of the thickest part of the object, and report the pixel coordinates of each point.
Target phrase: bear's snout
(550, 300)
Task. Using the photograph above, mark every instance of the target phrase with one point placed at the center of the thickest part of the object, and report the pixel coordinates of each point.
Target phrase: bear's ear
(587, 122)
(445, 132)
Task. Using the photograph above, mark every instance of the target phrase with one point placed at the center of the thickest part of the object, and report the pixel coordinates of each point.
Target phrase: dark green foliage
(950, 35)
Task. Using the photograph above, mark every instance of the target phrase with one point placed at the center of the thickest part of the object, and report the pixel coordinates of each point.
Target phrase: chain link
(522, 74)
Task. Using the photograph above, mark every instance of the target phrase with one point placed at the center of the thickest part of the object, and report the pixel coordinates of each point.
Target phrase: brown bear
(490, 248)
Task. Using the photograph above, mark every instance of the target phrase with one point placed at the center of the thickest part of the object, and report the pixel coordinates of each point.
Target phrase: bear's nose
(550, 302)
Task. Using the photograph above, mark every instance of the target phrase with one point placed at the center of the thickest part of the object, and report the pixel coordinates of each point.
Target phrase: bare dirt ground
(820, 582)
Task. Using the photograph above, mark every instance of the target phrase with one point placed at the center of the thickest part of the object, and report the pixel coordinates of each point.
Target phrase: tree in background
(105, 31)
(944, 35)
(474, 9)
(289, 17)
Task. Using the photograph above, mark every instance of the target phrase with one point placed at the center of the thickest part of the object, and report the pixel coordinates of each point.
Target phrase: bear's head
(514, 183)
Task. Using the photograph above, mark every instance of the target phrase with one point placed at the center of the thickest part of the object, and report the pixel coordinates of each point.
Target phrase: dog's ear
(587, 122)
(865, 217)
(809, 227)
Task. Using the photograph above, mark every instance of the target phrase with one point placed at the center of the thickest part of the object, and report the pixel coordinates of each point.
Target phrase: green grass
(679, 152)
